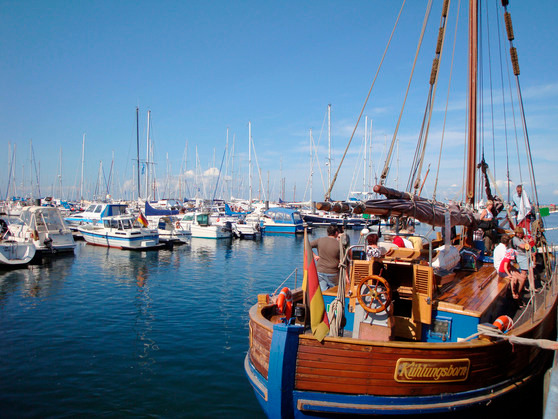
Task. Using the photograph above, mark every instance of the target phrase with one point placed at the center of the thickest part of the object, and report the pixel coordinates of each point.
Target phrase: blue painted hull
(286, 229)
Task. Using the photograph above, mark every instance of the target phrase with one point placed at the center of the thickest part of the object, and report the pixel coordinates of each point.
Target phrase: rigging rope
(515, 63)
(447, 101)
(432, 93)
(504, 109)
(385, 171)
(328, 193)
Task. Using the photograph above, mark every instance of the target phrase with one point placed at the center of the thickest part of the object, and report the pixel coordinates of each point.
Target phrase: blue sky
(201, 67)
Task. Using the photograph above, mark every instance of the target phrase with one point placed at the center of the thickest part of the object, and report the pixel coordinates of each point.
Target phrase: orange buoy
(503, 323)
(285, 302)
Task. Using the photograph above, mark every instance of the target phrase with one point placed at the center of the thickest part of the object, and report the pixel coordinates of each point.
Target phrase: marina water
(114, 333)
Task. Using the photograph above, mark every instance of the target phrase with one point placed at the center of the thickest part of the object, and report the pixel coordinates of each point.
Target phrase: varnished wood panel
(260, 345)
(368, 369)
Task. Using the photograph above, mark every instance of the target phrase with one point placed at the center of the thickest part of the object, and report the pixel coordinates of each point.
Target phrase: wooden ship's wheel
(374, 294)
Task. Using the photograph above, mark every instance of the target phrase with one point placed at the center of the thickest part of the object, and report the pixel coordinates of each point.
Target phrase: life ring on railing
(503, 323)
(285, 302)
(177, 224)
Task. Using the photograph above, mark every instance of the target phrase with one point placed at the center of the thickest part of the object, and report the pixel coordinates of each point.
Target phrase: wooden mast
(473, 63)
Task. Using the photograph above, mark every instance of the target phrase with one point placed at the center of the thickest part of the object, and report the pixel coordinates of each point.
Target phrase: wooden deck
(472, 293)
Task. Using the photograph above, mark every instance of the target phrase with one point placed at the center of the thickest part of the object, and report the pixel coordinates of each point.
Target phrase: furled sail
(399, 204)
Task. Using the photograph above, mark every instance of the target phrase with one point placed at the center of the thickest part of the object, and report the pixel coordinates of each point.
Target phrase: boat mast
(250, 164)
(365, 150)
(329, 144)
(311, 171)
(472, 139)
(82, 164)
(147, 159)
(137, 146)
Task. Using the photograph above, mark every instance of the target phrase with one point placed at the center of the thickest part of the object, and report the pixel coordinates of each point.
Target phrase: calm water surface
(115, 333)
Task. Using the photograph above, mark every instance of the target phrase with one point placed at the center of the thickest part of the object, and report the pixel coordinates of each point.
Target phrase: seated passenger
(500, 251)
(506, 270)
(372, 249)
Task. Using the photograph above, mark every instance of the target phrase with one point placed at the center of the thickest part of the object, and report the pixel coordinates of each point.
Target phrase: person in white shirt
(500, 251)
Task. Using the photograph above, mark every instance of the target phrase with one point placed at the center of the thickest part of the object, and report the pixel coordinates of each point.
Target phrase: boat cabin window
(98, 209)
(202, 219)
(118, 210)
(127, 224)
(188, 217)
(297, 218)
(90, 208)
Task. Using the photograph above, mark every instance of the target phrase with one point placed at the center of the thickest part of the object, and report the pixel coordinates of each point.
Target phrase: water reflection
(143, 325)
(37, 281)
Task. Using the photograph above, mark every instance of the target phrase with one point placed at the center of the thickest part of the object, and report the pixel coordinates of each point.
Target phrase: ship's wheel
(374, 294)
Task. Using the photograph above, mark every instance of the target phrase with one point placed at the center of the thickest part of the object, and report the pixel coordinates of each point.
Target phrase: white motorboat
(201, 226)
(43, 226)
(94, 213)
(122, 232)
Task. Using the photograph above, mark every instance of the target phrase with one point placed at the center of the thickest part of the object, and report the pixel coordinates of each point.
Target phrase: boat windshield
(128, 224)
(297, 218)
(90, 208)
(51, 219)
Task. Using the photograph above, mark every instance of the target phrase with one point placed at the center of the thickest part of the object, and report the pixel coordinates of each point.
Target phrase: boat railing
(295, 273)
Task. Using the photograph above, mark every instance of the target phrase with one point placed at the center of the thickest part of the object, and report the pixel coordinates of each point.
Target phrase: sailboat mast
(147, 159)
(365, 149)
(82, 164)
(311, 169)
(250, 165)
(473, 63)
(329, 144)
(137, 146)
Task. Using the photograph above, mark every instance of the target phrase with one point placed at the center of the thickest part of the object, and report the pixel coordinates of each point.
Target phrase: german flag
(142, 220)
(311, 286)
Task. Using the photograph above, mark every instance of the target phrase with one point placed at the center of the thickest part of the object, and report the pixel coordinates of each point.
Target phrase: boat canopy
(149, 210)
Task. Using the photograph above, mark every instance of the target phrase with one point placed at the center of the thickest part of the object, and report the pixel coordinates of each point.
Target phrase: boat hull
(129, 243)
(293, 375)
(15, 254)
(209, 232)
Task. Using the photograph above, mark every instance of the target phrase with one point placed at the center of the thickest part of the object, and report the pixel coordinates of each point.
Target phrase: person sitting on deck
(506, 270)
(328, 262)
(500, 251)
(372, 249)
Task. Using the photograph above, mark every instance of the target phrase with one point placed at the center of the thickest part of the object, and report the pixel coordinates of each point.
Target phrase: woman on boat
(372, 249)
(521, 246)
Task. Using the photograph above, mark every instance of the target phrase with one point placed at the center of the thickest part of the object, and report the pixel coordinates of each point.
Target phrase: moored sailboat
(402, 337)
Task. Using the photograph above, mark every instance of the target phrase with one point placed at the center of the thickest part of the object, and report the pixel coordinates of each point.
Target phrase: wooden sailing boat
(403, 339)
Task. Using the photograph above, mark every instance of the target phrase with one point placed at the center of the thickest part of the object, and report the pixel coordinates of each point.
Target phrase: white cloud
(212, 171)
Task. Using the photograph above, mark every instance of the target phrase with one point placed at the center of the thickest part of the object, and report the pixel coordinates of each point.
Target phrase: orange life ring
(177, 224)
(503, 323)
(285, 302)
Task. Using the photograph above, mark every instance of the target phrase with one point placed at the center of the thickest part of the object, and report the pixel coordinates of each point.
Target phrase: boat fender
(35, 235)
(285, 302)
(503, 323)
